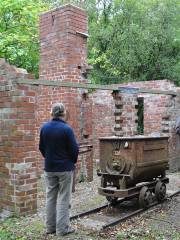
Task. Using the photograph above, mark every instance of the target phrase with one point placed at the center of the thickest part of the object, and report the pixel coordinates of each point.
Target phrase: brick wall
(156, 106)
(125, 114)
(102, 117)
(160, 113)
(18, 180)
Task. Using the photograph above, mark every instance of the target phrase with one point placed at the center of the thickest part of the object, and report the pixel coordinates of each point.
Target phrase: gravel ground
(174, 181)
(166, 217)
(86, 195)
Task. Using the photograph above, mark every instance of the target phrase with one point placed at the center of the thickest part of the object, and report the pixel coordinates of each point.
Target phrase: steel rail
(94, 210)
(173, 194)
(113, 223)
(88, 212)
(121, 219)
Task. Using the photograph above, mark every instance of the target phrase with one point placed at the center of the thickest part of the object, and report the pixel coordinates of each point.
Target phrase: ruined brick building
(25, 105)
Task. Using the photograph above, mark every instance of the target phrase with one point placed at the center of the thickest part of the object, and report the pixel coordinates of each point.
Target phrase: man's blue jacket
(58, 146)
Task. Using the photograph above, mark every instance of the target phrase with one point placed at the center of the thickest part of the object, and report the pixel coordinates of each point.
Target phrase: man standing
(59, 148)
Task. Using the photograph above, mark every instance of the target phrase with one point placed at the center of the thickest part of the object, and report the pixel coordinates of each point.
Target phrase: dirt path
(162, 222)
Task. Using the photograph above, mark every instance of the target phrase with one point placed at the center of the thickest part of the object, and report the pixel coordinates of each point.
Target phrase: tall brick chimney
(63, 57)
(63, 37)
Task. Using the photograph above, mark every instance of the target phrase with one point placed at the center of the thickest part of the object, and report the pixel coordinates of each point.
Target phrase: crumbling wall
(18, 179)
(160, 113)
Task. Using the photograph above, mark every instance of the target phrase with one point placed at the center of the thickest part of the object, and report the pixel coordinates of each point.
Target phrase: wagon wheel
(160, 191)
(145, 197)
(112, 200)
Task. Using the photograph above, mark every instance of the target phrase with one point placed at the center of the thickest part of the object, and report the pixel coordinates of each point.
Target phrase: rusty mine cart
(133, 167)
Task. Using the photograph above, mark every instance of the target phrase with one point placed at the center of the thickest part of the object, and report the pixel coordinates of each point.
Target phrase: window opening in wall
(140, 114)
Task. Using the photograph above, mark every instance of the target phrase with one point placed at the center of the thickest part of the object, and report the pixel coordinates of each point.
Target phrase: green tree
(135, 41)
(19, 43)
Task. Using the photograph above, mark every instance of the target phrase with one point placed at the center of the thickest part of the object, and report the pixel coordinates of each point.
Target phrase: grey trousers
(58, 197)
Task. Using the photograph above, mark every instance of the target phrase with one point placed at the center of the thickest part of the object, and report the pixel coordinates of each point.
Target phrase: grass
(20, 229)
(26, 228)
(148, 234)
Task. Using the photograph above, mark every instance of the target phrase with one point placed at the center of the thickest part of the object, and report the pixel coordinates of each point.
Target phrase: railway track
(107, 215)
